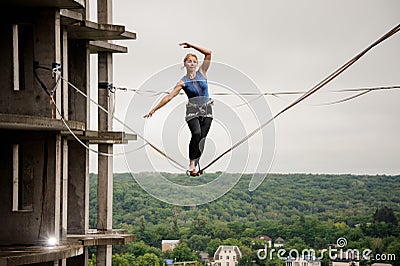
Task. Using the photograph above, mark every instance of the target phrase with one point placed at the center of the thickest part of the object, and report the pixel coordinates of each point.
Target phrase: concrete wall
(41, 47)
(38, 166)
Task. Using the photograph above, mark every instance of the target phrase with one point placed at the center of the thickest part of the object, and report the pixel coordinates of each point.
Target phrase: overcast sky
(280, 46)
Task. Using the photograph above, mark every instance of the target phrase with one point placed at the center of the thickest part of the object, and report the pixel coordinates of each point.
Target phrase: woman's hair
(189, 55)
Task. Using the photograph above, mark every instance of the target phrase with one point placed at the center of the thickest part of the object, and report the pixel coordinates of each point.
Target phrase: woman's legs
(199, 127)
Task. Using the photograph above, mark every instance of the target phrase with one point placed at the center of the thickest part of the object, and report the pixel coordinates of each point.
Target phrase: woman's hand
(149, 114)
(185, 45)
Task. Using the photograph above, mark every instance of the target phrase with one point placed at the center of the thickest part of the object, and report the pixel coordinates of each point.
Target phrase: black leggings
(199, 127)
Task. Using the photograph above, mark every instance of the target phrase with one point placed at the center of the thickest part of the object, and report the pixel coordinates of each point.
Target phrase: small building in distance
(279, 242)
(167, 245)
(266, 239)
(169, 262)
(204, 256)
(227, 255)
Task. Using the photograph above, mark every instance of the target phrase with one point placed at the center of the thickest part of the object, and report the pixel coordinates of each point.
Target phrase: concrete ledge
(19, 255)
(103, 137)
(89, 30)
(103, 46)
(108, 137)
(28, 122)
(100, 238)
(69, 17)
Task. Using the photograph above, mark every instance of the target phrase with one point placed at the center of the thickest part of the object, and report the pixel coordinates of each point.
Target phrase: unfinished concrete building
(44, 173)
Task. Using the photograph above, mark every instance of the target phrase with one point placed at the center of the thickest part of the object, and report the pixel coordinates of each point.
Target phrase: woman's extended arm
(166, 98)
(207, 56)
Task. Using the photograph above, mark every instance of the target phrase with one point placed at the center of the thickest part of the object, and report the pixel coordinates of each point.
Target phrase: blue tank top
(196, 89)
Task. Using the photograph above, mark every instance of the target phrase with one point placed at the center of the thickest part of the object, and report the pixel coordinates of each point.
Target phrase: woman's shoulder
(181, 82)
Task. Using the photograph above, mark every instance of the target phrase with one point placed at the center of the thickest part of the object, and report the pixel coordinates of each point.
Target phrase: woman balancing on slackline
(198, 108)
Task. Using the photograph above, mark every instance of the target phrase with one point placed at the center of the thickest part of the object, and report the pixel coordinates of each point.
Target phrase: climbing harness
(196, 110)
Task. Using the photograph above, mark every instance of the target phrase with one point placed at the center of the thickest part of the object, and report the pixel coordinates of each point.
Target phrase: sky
(265, 46)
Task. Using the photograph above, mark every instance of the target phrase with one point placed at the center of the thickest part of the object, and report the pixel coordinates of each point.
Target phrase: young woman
(198, 108)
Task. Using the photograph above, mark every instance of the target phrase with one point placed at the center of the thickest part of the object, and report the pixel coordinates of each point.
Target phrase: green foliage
(198, 242)
(148, 260)
(394, 248)
(123, 260)
(92, 260)
(183, 253)
(246, 261)
(386, 215)
(305, 210)
(139, 248)
(213, 245)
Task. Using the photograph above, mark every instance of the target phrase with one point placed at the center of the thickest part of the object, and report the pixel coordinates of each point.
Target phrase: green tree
(213, 245)
(138, 249)
(120, 260)
(377, 245)
(198, 242)
(394, 248)
(183, 253)
(296, 243)
(231, 242)
(148, 260)
(246, 261)
(386, 215)
(200, 225)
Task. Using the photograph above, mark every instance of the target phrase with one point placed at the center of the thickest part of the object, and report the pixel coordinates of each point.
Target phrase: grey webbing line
(361, 92)
(276, 94)
(309, 93)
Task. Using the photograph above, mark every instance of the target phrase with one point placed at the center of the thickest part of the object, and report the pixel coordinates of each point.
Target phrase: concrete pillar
(64, 111)
(64, 67)
(105, 163)
(57, 186)
(78, 156)
(57, 58)
(78, 188)
(51, 188)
